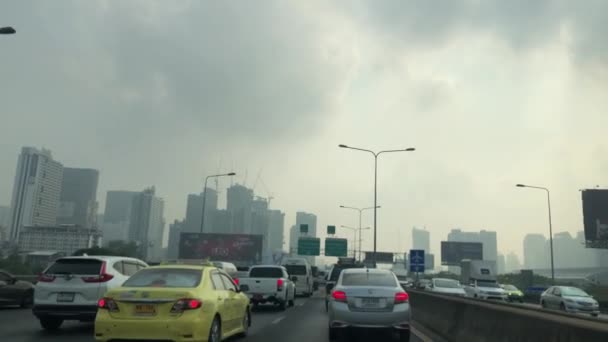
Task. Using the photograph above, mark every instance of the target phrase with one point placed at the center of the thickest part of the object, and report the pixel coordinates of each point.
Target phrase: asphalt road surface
(306, 322)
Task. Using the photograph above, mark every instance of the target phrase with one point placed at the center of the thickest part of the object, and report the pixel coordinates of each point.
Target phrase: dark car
(14, 291)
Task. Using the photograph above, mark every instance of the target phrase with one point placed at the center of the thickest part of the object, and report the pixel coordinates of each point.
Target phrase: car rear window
(266, 272)
(296, 269)
(335, 273)
(369, 279)
(75, 266)
(165, 277)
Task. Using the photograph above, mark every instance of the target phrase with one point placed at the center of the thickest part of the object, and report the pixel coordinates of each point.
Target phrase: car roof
(101, 257)
(365, 270)
(273, 266)
(183, 266)
(449, 279)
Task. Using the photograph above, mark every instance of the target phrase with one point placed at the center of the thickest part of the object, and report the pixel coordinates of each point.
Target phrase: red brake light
(339, 296)
(236, 281)
(280, 283)
(186, 304)
(401, 297)
(101, 278)
(45, 278)
(108, 304)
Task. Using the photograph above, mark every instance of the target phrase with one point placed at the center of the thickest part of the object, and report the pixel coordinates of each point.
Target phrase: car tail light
(186, 304)
(108, 304)
(280, 283)
(401, 297)
(101, 278)
(339, 296)
(236, 280)
(45, 278)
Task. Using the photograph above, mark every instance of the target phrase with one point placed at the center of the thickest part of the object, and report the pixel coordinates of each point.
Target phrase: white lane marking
(278, 320)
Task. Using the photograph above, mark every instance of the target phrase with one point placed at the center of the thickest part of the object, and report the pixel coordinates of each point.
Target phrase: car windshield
(335, 273)
(266, 272)
(296, 269)
(368, 279)
(84, 266)
(510, 288)
(482, 283)
(573, 292)
(165, 277)
(451, 284)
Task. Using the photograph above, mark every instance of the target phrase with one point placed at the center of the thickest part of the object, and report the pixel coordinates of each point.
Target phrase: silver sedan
(371, 299)
(569, 299)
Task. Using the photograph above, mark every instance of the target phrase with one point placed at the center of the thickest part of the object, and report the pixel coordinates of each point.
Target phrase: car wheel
(283, 305)
(292, 303)
(27, 300)
(215, 332)
(51, 323)
(404, 336)
(246, 323)
(326, 306)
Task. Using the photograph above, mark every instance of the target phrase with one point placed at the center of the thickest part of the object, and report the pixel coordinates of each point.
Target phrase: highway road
(306, 322)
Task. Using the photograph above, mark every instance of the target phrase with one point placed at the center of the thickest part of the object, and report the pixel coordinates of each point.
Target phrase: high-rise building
(302, 218)
(78, 200)
(36, 191)
(239, 204)
(5, 220)
(501, 264)
(194, 210)
(276, 230)
(536, 254)
(512, 264)
(147, 224)
(66, 238)
(118, 206)
(421, 239)
(175, 230)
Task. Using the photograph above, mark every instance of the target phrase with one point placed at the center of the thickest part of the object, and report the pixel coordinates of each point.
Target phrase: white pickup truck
(269, 284)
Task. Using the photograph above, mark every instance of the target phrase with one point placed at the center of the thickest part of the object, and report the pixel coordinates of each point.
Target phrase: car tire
(283, 305)
(215, 332)
(404, 336)
(246, 324)
(27, 300)
(291, 302)
(326, 306)
(51, 324)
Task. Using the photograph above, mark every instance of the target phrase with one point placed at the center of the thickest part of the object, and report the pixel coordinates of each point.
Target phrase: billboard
(221, 247)
(452, 252)
(595, 217)
(381, 257)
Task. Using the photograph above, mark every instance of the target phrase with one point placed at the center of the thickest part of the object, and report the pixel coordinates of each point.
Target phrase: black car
(14, 291)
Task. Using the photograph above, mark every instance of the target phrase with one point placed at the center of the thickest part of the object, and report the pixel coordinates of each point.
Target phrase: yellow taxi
(192, 303)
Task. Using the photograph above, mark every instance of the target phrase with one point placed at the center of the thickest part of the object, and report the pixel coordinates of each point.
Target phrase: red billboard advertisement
(221, 247)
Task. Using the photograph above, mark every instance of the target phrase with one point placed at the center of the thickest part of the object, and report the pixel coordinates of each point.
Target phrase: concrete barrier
(463, 319)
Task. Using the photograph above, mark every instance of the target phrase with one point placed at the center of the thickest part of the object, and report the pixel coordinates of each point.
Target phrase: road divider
(464, 319)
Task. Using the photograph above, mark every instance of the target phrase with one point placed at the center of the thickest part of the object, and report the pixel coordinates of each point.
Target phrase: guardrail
(464, 319)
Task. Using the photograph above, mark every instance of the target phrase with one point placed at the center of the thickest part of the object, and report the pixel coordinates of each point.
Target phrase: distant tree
(124, 248)
(94, 251)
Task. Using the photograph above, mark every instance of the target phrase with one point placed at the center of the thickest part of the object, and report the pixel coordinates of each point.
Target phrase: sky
(490, 93)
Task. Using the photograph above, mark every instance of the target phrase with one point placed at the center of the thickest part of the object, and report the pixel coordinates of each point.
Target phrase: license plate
(145, 309)
(65, 297)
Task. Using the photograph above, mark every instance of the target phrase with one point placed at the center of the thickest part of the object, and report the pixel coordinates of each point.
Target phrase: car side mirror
(244, 288)
(294, 278)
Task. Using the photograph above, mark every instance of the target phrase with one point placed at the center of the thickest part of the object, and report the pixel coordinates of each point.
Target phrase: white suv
(70, 287)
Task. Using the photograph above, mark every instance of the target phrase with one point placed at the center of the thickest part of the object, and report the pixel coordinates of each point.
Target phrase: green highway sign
(304, 228)
(336, 247)
(309, 246)
(331, 230)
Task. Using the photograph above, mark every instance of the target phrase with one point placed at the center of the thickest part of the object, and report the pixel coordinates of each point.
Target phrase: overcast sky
(491, 93)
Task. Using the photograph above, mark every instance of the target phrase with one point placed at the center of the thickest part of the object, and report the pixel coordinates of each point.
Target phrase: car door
(234, 314)
(8, 290)
(220, 299)
(556, 297)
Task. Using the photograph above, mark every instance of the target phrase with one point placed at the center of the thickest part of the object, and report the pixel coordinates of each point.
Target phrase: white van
(300, 268)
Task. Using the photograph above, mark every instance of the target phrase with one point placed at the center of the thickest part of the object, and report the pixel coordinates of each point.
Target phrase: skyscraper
(500, 264)
(147, 224)
(512, 263)
(421, 239)
(239, 205)
(302, 218)
(276, 230)
(536, 254)
(194, 211)
(78, 198)
(36, 190)
(117, 215)
(5, 220)
(175, 230)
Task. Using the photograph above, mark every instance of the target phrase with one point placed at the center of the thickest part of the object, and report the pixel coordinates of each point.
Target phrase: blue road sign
(416, 260)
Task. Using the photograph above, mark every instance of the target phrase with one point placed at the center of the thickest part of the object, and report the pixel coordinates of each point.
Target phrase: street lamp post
(205, 195)
(7, 30)
(360, 210)
(355, 239)
(550, 225)
(376, 154)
